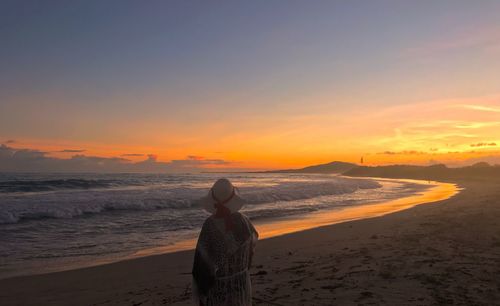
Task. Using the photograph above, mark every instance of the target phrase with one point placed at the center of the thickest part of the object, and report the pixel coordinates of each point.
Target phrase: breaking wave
(72, 198)
(53, 185)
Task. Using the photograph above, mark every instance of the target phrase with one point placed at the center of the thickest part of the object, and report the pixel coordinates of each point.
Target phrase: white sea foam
(72, 203)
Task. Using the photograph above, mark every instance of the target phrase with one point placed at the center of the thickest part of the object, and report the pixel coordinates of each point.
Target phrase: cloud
(72, 151)
(435, 124)
(152, 157)
(132, 154)
(30, 160)
(483, 144)
(482, 108)
(10, 141)
(485, 38)
(476, 125)
(200, 162)
(387, 153)
(406, 152)
(195, 157)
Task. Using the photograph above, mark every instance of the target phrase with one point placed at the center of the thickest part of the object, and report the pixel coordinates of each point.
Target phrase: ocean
(52, 222)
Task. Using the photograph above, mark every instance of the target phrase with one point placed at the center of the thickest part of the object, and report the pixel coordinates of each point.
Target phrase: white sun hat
(222, 192)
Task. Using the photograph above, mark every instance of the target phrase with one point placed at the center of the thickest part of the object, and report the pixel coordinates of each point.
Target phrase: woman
(224, 251)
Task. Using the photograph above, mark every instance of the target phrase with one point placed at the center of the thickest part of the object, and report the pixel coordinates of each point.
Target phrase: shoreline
(423, 255)
(273, 227)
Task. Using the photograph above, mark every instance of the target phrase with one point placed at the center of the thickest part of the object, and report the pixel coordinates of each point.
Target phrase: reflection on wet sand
(439, 191)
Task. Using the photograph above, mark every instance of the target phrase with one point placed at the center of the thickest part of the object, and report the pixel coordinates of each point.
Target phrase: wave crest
(14, 186)
(69, 204)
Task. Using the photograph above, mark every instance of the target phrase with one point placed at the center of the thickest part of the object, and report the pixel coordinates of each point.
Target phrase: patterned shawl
(221, 262)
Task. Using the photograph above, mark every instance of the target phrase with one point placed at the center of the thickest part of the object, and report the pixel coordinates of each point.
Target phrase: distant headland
(434, 172)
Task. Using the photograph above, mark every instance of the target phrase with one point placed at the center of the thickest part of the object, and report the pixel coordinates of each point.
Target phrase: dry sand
(446, 252)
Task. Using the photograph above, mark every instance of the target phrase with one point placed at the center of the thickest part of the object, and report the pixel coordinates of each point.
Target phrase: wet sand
(268, 228)
(445, 252)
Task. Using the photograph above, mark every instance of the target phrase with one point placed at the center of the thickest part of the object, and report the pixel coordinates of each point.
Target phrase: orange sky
(251, 85)
(450, 131)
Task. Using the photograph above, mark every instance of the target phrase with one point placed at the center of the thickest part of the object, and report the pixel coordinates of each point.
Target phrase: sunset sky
(248, 84)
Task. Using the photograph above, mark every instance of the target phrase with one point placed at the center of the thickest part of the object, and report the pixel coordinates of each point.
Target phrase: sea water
(51, 222)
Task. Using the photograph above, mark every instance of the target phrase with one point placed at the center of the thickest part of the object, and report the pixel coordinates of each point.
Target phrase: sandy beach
(143, 142)
(445, 252)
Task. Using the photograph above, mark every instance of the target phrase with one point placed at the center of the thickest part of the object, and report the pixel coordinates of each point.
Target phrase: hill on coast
(333, 167)
(434, 172)
(480, 170)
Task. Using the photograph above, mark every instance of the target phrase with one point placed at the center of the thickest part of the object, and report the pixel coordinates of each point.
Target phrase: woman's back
(230, 250)
(222, 260)
(224, 250)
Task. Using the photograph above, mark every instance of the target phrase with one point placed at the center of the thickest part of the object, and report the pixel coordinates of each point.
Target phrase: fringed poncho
(221, 262)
